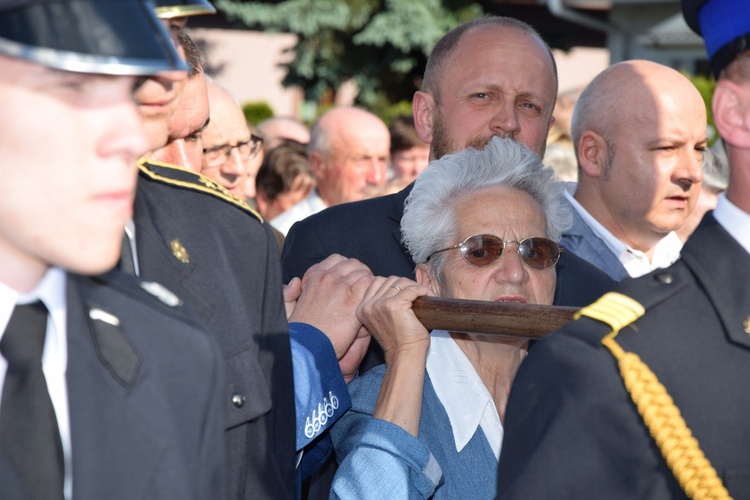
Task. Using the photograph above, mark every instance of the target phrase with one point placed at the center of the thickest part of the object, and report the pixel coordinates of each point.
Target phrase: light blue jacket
(380, 460)
(320, 395)
(581, 240)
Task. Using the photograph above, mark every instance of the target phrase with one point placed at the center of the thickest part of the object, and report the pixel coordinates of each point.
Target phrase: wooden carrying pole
(528, 321)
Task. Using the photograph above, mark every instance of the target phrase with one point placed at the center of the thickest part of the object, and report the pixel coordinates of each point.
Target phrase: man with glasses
(228, 145)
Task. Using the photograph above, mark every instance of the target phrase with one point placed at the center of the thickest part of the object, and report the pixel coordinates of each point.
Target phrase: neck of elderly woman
(496, 360)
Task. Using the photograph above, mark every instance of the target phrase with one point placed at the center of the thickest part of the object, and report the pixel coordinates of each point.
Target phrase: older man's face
(228, 128)
(357, 160)
(70, 143)
(185, 145)
(500, 82)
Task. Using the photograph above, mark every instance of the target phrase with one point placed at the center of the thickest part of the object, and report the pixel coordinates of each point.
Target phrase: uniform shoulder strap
(680, 449)
(187, 179)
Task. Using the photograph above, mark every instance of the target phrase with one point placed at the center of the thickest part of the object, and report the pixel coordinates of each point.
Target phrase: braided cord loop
(694, 473)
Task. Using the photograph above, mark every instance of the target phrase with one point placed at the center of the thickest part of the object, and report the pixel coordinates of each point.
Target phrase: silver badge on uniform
(161, 293)
(100, 315)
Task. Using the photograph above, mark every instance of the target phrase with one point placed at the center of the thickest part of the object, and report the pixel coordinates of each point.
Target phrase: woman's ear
(731, 105)
(426, 277)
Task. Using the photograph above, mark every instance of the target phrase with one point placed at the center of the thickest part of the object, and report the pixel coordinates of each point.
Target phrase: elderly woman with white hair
(481, 225)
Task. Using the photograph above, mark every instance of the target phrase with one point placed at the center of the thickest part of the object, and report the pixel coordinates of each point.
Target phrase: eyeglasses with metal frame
(484, 249)
(217, 156)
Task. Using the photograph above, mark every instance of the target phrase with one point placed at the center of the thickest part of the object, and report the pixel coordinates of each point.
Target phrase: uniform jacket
(572, 430)
(581, 240)
(222, 260)
(370, 231)
(145, 418)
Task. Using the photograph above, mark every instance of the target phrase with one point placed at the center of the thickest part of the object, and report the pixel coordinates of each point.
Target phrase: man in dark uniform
(220, 256)
(95, 402)
(222, 260)
(510, 92)
(645, 395)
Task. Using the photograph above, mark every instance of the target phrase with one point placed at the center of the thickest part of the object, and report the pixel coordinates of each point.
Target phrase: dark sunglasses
(484, 249)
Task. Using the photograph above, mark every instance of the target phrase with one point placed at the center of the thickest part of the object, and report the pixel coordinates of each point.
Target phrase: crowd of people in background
(194, 306)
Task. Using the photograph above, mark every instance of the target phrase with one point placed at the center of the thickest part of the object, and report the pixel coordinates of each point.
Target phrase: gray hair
(429, 222)
(320, 140)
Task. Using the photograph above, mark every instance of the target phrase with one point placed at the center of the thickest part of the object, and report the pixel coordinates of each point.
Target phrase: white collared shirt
(305, 208)
(735, 220)
(462, 393)
(130, 233)
(51, 291)
(636, 263)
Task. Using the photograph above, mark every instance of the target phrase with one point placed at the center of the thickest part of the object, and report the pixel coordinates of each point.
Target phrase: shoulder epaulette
(680, 449)
(181, 177)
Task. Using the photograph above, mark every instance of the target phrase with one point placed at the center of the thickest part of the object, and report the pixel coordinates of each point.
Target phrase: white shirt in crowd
(636, 263)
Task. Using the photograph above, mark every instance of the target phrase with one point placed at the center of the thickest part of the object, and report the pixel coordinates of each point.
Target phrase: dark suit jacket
(223, 262)
(145, 417)
(370, 231)
(571, 429)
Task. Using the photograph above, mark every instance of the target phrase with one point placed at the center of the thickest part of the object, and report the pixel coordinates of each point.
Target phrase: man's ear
(592, 153)
(262, 201)
(425, 277)
(552, 120)
(423, 107)
(731, 105)
(318, 164)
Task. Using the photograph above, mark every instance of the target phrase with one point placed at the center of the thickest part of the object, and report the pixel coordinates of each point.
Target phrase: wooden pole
(529, 321)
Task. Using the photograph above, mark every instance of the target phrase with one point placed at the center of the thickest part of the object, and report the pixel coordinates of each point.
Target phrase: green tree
(706, 86)
(257, 111)
(380, 44)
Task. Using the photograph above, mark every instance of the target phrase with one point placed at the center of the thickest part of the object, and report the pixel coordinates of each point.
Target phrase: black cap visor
(113, 37)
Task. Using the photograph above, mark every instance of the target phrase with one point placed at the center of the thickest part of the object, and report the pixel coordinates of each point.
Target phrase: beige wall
(247, 63)
(577, 67)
